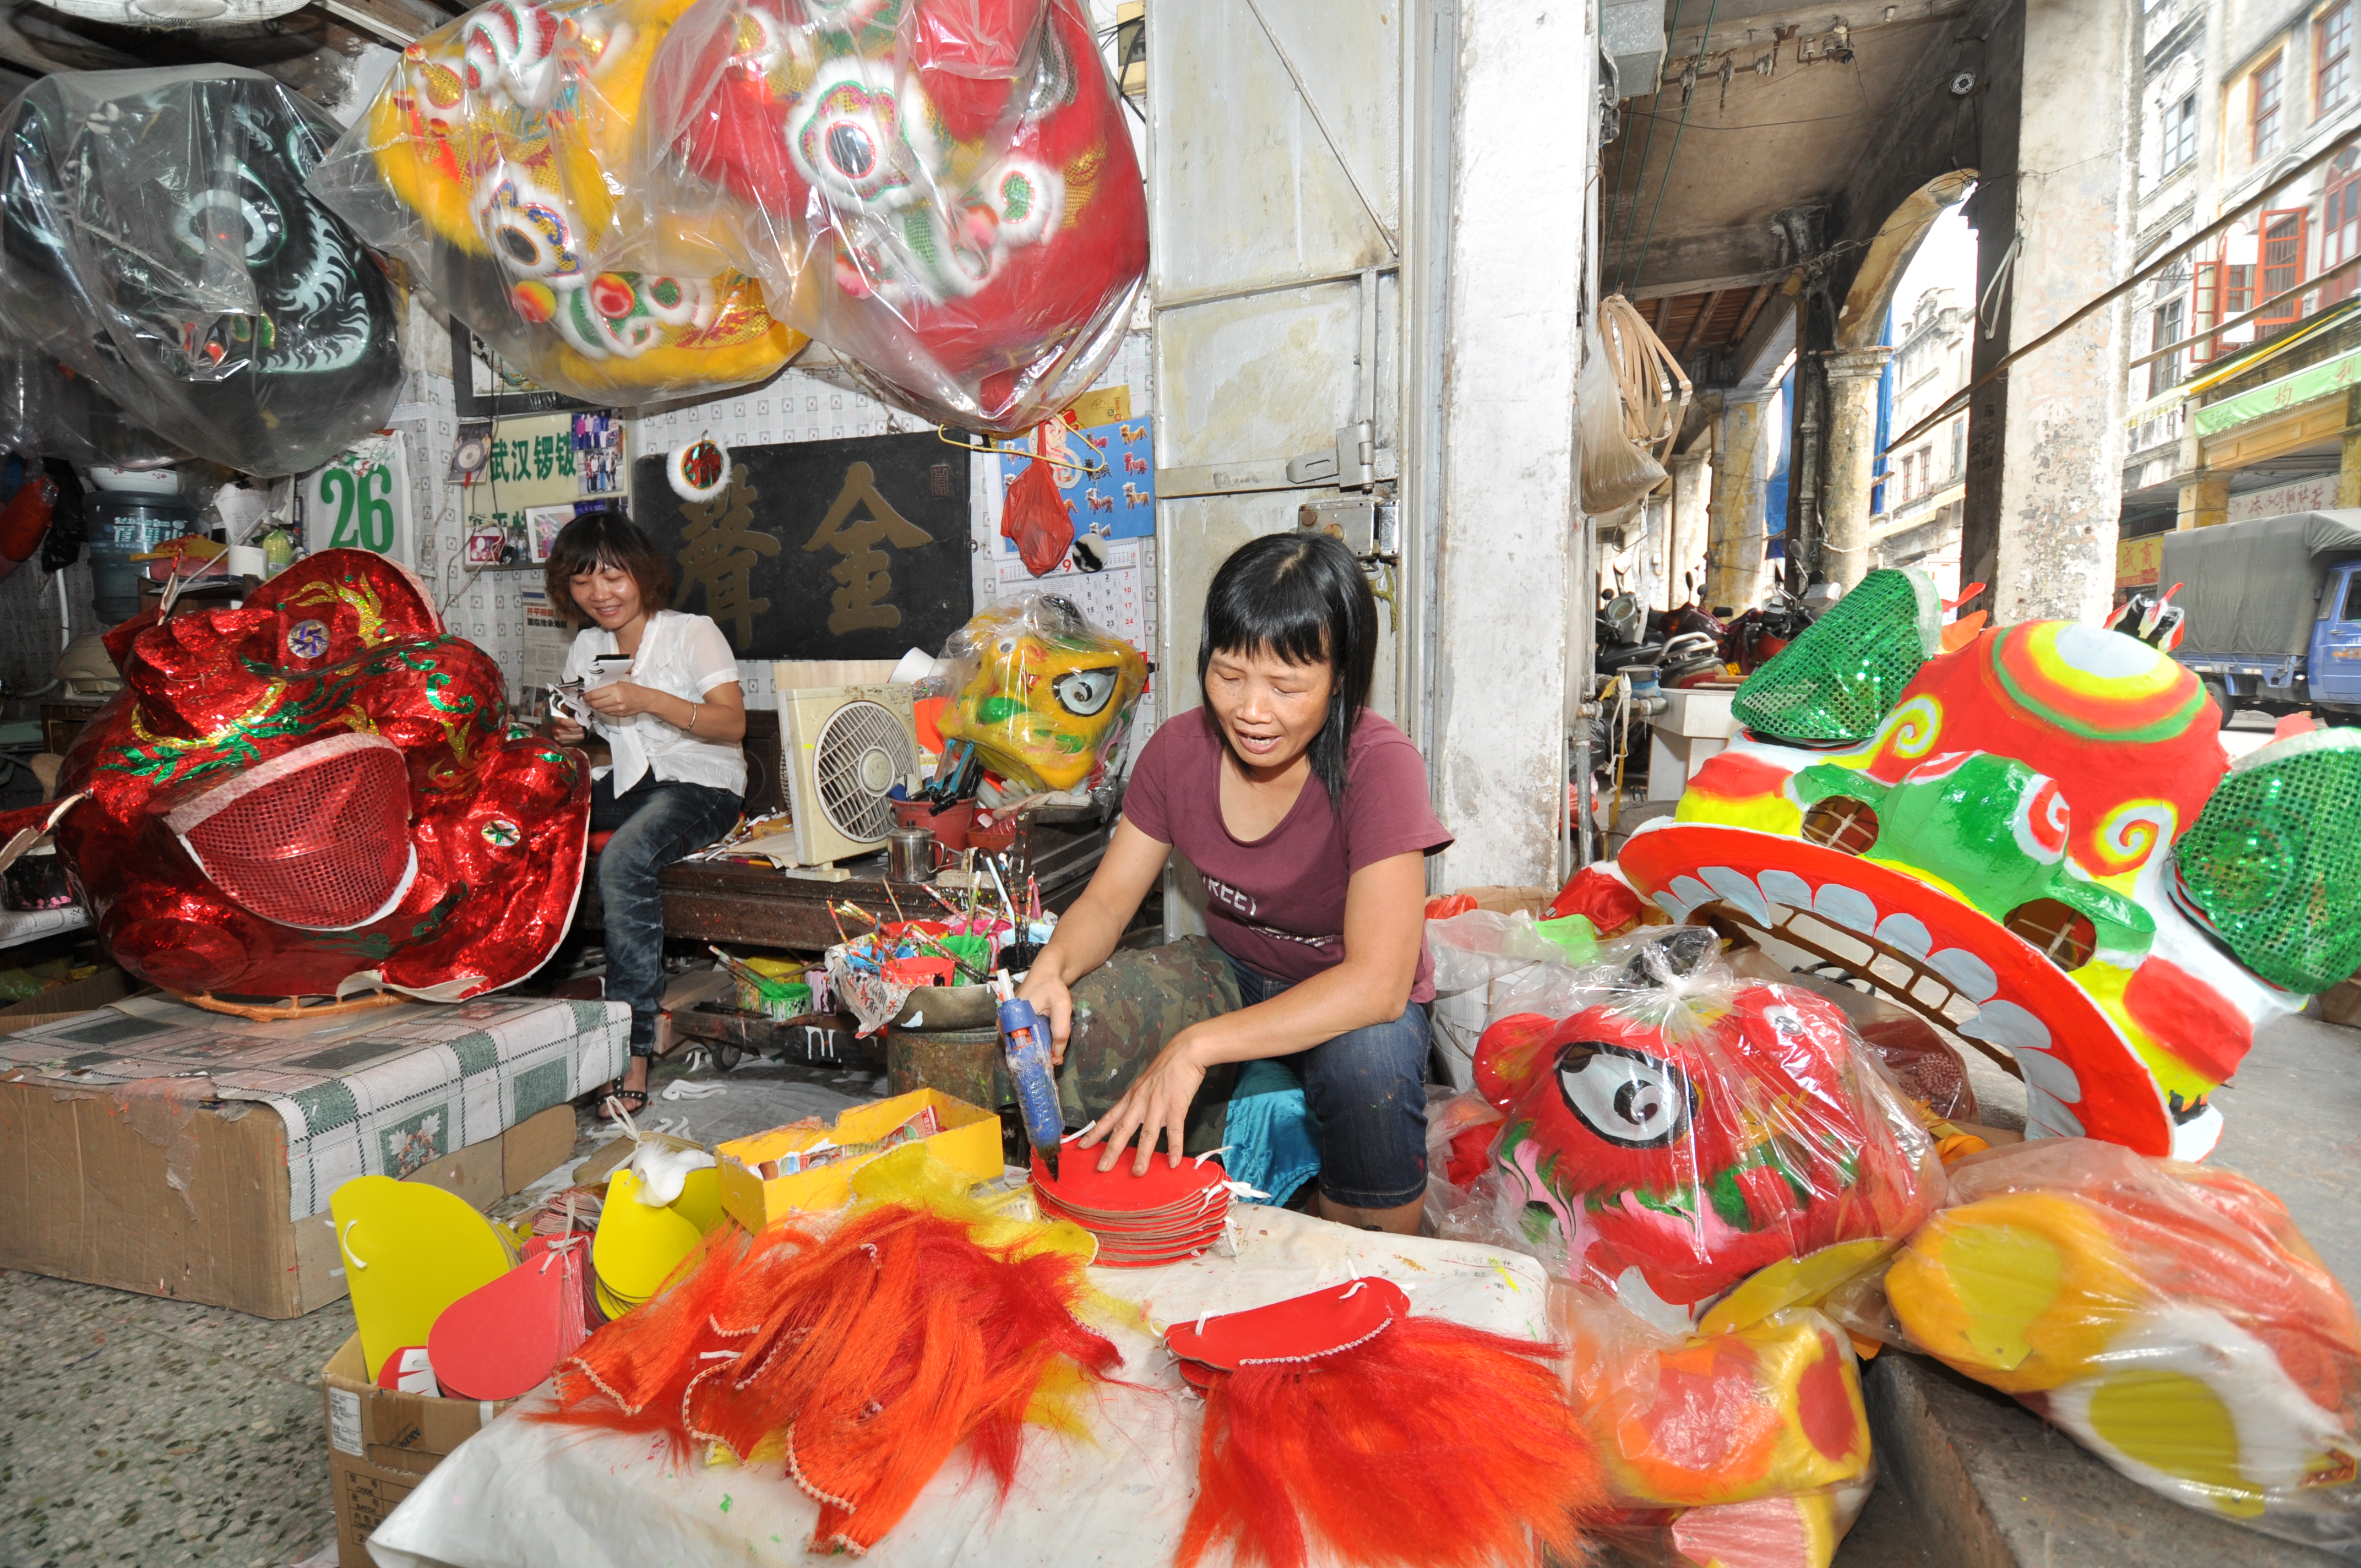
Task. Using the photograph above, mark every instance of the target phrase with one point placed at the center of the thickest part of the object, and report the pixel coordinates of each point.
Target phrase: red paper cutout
(502, 1338)
(1301, 1328)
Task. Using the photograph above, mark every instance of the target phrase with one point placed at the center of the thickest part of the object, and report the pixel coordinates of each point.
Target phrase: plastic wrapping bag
(944, 191)
(46, 408)
(497, 161)
(1039, 521)
(1488, 966)
(1616, 470)
(2169, 1316)
(156, 235)
(1045, 696)
(1694, 1136)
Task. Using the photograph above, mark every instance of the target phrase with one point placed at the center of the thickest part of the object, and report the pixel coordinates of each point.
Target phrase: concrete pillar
(2062, 428)
(2206, 501)
(1733, 573)
(1852, 456)
(1505, 590)
(1685, 545)
(2348, 471)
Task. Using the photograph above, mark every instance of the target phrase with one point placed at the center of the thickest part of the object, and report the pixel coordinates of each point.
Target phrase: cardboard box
(2342, 1004)
(92, 1200)
(109, 985)
(969, 1141)
(381, 1443)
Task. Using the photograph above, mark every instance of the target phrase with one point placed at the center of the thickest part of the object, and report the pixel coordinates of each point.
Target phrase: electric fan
(844, 749)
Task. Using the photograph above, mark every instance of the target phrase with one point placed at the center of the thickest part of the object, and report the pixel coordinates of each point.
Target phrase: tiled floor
(158, 1432)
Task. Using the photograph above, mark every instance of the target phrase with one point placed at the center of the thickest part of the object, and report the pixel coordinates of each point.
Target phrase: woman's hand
(564, 731)
(1050, 997)
(1157, 1102)
(621, 699)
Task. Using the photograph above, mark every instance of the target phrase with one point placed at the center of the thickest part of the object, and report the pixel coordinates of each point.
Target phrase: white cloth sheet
(523, 1494)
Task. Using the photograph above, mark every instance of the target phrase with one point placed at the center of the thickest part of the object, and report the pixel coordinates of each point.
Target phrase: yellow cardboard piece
(639, 1244)
(410, 1250)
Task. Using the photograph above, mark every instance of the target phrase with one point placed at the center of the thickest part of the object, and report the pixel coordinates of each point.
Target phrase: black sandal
(634, 1101)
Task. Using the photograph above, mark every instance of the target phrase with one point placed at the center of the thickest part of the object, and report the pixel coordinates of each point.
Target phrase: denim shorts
(1367, 1088)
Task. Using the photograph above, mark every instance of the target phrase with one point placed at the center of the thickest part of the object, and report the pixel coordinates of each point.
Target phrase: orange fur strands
(867, 1359)
(1431, 1447)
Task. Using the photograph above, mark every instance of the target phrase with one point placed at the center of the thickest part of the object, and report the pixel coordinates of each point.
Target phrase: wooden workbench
(716, 901)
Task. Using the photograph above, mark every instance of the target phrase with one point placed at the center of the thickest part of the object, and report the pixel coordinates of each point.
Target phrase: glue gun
(1025, 1045)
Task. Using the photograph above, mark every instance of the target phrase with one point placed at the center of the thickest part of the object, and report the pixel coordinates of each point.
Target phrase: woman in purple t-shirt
(1307, 818)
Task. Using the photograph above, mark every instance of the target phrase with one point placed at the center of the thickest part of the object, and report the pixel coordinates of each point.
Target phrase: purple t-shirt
(1277, 904)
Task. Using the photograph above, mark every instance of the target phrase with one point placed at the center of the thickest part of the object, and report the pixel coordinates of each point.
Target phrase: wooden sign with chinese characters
(824, 549)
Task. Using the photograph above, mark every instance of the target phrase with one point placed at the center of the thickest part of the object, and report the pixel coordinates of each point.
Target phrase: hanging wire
(1703, 43)
(942, 433)
(1641, 178)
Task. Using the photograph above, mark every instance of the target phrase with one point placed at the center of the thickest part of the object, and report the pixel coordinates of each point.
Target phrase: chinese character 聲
(718, 545)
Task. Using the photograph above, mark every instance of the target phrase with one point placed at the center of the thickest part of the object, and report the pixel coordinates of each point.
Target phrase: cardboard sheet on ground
(521, 1495)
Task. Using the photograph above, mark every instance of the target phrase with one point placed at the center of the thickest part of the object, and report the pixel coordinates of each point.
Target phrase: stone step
(1968, 1478)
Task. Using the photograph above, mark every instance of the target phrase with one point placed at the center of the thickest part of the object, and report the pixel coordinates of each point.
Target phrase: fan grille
(863, 751)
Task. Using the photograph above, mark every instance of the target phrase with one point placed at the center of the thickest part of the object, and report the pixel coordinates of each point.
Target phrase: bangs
(1301, 598)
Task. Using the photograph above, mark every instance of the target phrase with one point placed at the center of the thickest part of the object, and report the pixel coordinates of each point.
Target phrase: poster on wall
(854, 549)
(360, 501)
(1118, 501)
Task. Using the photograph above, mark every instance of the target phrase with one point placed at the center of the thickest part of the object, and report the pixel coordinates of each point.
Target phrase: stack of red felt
(1172, 1212)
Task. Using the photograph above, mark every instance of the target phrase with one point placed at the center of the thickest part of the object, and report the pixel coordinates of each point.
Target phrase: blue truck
(2274, 612)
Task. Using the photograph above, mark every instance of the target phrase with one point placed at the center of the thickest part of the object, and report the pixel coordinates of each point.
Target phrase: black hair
(606, 538)
(1301, 598)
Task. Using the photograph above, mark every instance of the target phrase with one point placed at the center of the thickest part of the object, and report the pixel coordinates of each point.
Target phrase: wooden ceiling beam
(1753, 308)
(1696, 327)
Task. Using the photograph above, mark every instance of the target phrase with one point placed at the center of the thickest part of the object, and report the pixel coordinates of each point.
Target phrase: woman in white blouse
(664, 690)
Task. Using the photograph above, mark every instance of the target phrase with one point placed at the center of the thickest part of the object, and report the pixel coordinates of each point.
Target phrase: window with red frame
(2340, 224)
(2331, 46)
(2264, 112)
(2227, 290)
(2282, 270)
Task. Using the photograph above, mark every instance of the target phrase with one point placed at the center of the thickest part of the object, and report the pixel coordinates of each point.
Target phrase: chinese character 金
(865, 570)
(718, 545)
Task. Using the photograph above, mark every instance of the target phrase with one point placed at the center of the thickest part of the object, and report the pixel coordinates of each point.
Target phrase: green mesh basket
(1840, 679)
(2273, 860)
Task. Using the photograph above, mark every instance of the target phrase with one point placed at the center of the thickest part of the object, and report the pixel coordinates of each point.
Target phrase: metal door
(1276, 198)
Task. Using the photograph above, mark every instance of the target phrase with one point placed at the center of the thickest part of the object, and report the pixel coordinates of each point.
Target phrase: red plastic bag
(1036, 518)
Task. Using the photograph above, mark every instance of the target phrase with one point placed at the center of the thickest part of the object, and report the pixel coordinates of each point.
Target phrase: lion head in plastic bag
(1688, 1134)
(942, 191)
(318, 793)
(497, 160)
(156, 237)
(2035, 841)
(1043, 695)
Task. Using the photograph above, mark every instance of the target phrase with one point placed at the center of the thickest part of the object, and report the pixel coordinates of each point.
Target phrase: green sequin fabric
(1839, 680)
(2273, 859)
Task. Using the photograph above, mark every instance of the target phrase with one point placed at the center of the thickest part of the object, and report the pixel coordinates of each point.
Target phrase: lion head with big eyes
(158, 237)
(1679, 1144)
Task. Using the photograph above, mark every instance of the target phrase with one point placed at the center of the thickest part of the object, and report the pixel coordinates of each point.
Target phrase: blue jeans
(654, 824)
(1368, 1089)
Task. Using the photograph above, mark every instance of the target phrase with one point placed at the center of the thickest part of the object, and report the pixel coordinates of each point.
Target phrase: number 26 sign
(361, 501)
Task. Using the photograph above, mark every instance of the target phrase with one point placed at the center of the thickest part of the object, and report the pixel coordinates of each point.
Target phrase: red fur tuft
(875, 1354)
(1431, 1447)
